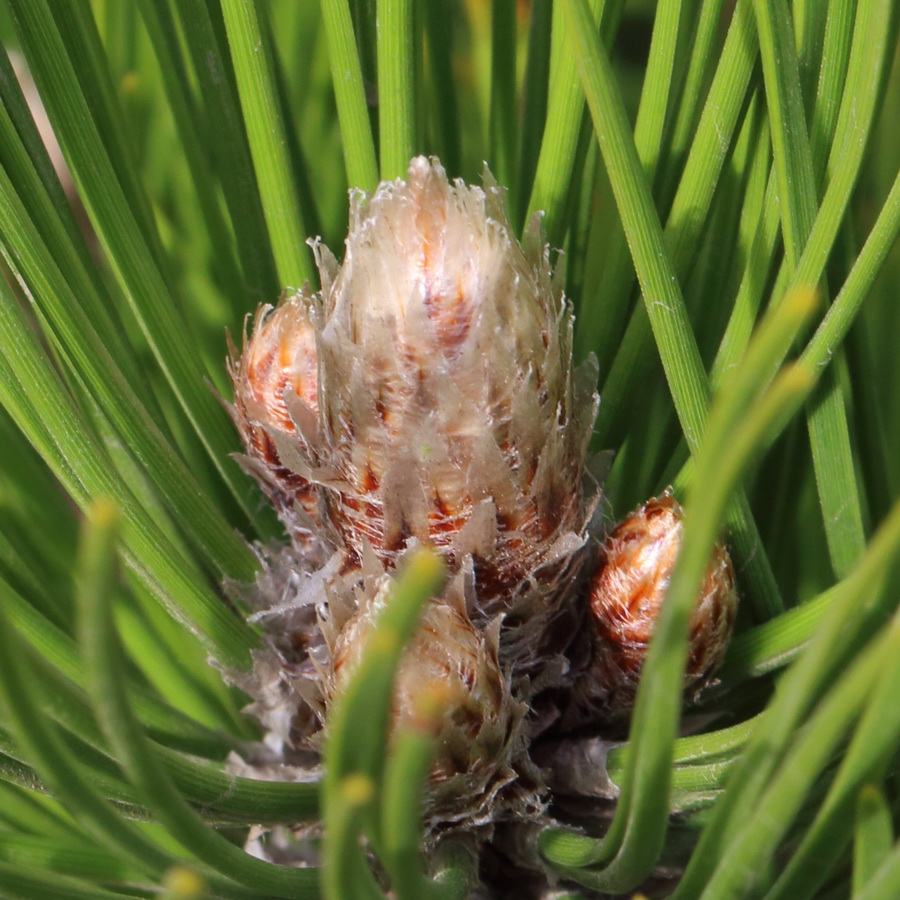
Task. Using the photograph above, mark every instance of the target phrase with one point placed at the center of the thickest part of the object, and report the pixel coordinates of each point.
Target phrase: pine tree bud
(275, 381)
(451, 412)
(480, 767)
(626, 595)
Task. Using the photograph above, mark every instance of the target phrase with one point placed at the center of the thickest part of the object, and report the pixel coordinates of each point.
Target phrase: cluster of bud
(427, 396)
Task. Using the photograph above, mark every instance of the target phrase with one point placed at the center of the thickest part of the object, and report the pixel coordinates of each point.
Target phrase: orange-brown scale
(523, 532)
(450, 316)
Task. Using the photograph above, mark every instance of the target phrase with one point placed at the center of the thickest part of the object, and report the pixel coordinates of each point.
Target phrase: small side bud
(627, 592)
(275, 382)
(451, 685)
